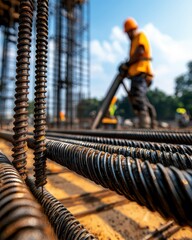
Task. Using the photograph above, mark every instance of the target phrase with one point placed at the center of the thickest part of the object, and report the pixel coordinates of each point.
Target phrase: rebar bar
(163, 232)
(21, 216)
(66, 226)
(124, 142)
(22, 80)
(166, 190)
(168, 155)
(40, 93)
(155, 136)
(181, 161)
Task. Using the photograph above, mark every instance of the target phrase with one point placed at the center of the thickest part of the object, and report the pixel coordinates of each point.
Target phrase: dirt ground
(126, 220)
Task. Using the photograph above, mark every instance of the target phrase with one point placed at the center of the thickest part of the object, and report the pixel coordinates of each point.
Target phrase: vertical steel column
(70, 60)
(59, 32)
(22, 80)
(40, 92)
(3, 74)
(88, 50)
(70, 66)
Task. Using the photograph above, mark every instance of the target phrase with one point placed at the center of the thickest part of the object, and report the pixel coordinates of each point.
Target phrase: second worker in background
(139, 71)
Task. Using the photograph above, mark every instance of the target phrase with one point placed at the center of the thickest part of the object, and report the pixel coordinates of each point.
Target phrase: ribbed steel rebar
(130, 143)
(21, 216)
(181, 161)
(40, 93)
(166, 190)
(66, 226)
(137, 134)
(168, 155)
(22, 80)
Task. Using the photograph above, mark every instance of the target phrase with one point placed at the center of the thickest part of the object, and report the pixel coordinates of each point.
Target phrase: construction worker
(182, 117)
(112, 107)
(138, 70)
(110, 121)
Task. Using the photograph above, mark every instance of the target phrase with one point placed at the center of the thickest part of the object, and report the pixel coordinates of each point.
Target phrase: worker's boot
(144, 120)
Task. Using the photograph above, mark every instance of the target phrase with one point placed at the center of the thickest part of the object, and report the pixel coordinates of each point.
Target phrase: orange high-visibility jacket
(143, 66)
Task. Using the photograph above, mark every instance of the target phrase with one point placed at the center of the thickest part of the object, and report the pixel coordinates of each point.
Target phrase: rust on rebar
(22, 81)
(40, 92)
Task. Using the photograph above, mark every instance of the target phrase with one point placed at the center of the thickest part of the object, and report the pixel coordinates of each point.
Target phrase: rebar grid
(181, 161)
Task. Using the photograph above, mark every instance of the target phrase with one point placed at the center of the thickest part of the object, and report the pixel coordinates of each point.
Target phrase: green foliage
(165, 105)
(31, 107)
(183, 88)
(87, 107)
(124, 108)
(180, 85)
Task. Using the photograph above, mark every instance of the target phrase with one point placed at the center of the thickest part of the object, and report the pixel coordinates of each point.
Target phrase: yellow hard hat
(181, 110)
(130, 24)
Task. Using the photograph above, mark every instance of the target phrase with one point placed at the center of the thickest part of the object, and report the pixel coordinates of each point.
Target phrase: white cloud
(118, 35)
(109, 51)
(169, 58)
(172, 50)
(102, 51)
(161, 70)
(96, 68)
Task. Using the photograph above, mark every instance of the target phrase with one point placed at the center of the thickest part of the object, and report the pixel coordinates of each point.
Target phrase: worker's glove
(123, 68)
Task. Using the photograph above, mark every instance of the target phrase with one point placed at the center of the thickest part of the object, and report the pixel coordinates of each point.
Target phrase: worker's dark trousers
(140, 103)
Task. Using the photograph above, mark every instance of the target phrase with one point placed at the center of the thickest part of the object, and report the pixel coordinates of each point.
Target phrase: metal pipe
(21, 216)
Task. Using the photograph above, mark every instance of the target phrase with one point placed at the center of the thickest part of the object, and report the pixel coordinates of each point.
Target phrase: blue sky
(168, 25)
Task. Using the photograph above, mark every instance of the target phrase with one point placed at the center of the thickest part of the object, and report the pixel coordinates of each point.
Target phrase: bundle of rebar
(162, 146)
(144, 135)
(167, 158)
(152, 178)
(124, 142)
(167, 190)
